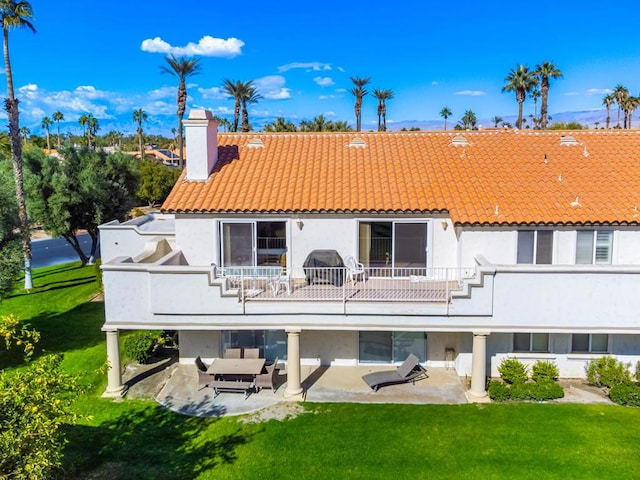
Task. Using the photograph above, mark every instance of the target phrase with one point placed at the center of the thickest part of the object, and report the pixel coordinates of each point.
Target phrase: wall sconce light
(299, 223)
(445, 225)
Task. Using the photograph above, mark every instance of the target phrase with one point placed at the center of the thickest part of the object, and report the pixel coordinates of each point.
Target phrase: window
(389, 347)
(272, 343)
(535, 244)
(590, 343)
(594, 246)
(530, 342)
(398, 247)
(252, 243)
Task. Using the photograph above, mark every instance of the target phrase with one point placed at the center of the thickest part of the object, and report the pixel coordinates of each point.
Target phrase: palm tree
(628, 106)
(521, 81)
(58, 117)
(25, 132)
(46, 121)
(468, 121)
(234, 89)
(249, 96)
(139, 116)
(620, 93)
(280, 125)
(182, 68)
(607, 101)
(496, 120)
(445, 113)
(382, 96)
(535, 95)
(90, 126)
(359, 92)
(545, 71)
(17, 14)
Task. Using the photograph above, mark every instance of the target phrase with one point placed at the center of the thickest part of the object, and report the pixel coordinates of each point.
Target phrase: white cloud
(471, 93)
(28, 91)
(327, 97)
(163, 92)
(311, 66)
(341, 69)
(207, 46)
(572, 94)
(599, 91)
(341, 90)
(324, 81)
(215, 93)
(329, 114)
(434, 83)
(272, 87)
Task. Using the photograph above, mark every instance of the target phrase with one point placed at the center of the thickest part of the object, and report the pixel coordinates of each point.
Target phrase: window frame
(532, 337)
(536, 252)
(596, 243)
(590, 343)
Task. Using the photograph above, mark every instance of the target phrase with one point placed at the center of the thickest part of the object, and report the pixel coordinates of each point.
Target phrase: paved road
(53, 251)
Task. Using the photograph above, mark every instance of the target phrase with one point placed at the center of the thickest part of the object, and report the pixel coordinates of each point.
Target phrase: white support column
(479, 365)
(115, 388)
(294, 386)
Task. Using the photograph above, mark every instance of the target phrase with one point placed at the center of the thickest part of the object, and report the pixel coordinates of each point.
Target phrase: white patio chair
(354, 269)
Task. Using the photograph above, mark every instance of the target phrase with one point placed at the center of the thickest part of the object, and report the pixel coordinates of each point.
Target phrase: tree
(25, 132)
(468, 121)
(9, 239)
(620, 94)
(90, 126)
(521, 81)
(359, 92)
(445, 113)
(382, 96)
(84, 190)
(544, 72)
(139, 116)
(183, 68)
(607, 101)
(58, 116)
(249, 96)
(496, 121)
(17, 14)
(535, 95)
(280, 125)
(46, 122)
(156, 181)
(629, 104)
(234, 89)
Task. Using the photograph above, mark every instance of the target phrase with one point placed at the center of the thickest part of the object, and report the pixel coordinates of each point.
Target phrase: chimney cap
(198, 114)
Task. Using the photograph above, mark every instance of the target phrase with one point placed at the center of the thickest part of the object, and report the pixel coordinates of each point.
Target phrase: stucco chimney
(201, 138)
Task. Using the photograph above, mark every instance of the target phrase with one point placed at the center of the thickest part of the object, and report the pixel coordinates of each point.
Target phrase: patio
(175, 386)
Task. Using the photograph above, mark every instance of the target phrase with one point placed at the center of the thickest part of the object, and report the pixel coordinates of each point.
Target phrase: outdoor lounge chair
(268, 380)
(204, 378)
(409, 371)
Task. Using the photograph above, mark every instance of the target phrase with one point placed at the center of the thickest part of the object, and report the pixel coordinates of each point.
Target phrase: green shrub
(625, 394)
(638, 371)
(140, 345)
(513, 371)
(545, 389)
(499, 391)
(521, 391)
(607, 372)
(544, 370)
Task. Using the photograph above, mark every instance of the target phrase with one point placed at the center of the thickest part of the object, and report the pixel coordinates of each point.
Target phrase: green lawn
(133, 439)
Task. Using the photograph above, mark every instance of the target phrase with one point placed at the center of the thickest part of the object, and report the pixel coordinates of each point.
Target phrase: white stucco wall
(196, 236)
(498, 247)
(207, 344)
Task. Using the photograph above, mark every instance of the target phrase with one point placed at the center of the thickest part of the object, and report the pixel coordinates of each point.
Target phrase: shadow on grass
(59, 333)
(149, 442)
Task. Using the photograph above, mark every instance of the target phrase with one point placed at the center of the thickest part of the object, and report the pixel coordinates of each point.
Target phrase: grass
(135, 439)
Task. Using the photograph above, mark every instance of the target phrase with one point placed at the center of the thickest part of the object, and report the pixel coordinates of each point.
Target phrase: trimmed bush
(544, 370)
(513, 371)
(545, 389)
(625, 394)
(140, 345)
(498, 391)
(607, 372)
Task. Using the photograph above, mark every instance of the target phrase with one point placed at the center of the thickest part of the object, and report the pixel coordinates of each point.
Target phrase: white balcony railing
(380, 284)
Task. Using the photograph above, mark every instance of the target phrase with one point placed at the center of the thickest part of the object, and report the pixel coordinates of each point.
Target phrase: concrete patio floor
(175, 386)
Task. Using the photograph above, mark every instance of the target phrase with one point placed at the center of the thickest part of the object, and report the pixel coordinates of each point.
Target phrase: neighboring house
(475, 246)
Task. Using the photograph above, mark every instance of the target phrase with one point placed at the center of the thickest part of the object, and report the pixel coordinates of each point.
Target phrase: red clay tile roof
(499, 177)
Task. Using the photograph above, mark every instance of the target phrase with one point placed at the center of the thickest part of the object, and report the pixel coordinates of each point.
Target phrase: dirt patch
(280, 411)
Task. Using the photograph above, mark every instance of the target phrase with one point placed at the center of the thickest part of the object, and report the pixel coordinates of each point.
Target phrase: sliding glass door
(400, 246)
(247, 244)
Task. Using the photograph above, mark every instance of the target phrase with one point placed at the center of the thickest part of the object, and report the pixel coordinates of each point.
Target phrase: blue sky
(104, 58)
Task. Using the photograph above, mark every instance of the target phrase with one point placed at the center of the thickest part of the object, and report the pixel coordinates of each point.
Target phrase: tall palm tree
(46, 121)
(535, 95)
(628, 106)
(468, 120)
(521, 81)
(139, 116)
(280, 125)
(545, 71)
(234, 89)
(359, 92)
(445, 113)
(607, 101)
(58, 116)
(250, 95)
(182, 68)
(496, 120)
(620, 93)
(382, 96)
(25, 132)
(90, 126)
(17, 14)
